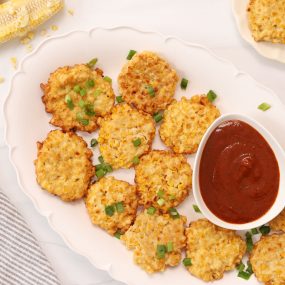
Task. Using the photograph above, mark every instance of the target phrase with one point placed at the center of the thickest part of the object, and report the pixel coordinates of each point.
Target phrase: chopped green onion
(187, 261)
(99, 166)
(83, 92)
(264, 106)
(110, 210)
(120, 207)
(92, 62)
(157, 117)
(93, 142)
(184, 83)
(69, 102)
(249, 242)
(173, 213)
(254, 231)
(264, 230)
(249, 268)
(244, 275)
(81, 103)
(150, 90)
(172, 197)
(119, 99)
(100, 173)
(160, 202)
(136, 160)
(240, 267)
(160, 251)
(101, 159)
(108, 167)
(151, 211)
(90, 83)
(160, 193)
(196, 209)
(118, 235)
(169, 246)
(131, 54)
(211, 95)
(97, 92)
(77, 88)
(137, 142)
(108, 79)
(89, 109)
(80, 119)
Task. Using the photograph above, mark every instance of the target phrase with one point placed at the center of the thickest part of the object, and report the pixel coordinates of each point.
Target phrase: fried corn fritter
(157, 241)
(125, 135)
(147, 82)
(76, 96)
(185, 123)
(112, 204)
(163, 179)
(63, 166)
(267, 20)
(212, 250)
(278, 224)
(268, 260)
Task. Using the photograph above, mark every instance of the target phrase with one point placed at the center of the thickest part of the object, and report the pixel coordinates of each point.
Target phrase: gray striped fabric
(22, 261)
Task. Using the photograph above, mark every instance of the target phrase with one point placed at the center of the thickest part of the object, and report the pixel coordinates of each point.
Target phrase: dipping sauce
(239, 173)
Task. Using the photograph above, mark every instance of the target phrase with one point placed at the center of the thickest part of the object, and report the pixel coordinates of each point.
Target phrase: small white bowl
(279, 203)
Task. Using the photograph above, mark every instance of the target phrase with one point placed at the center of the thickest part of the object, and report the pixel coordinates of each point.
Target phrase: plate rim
(48, 215)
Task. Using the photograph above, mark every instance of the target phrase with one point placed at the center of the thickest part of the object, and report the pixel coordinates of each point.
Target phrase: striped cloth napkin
(22, 261)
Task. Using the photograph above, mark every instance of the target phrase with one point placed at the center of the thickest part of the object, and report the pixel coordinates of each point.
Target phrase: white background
(207, 22)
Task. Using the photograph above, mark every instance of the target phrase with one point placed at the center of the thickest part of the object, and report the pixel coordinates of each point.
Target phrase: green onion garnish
(101, 159)
(172, 197)
(120, 207)
(240, 267)
(244, 275)
(83, 92)
(137, 142)
(92, 62)
(118, 235)
(169, 246)
(90, 83)
(160, 202)
(136, 160)
(151, 211)
(196, 209)
(160, 193)
(77, 88)
(108, 167)
(254, 231)
(187, 261)
(249, 268)
(110, 210)
(97, 92)
(89, 109)
(211, 95)
(108, 79)
(100, 173)
(69, 102)
(249, 242)
(264, 106)
(160, 251)
(81, 103)
(150, 90)
(99, 166)
(264, 230)
(157, 117)
(173, 213)
(93, 142)
(131, 54)
(119, 99)
(80, 119)
(184, 83)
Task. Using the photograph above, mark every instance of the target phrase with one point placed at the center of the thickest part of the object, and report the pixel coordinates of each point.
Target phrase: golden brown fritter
(267, 20)
(118, 133)
(157, 241)
(268, 260)
(76, 96)
(63, 166)
(163, 179)
(185, 123)
(112, 204)
(212, 250)
(147, 82)
(278, 224)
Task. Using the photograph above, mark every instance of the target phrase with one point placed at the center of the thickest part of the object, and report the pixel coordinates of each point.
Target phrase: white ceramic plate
(269, 50)
(27, 123)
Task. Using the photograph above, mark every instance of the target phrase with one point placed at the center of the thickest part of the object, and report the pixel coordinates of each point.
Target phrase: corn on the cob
(17, 17)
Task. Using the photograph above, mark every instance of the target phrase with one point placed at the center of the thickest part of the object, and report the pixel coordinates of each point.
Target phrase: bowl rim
(279, 153)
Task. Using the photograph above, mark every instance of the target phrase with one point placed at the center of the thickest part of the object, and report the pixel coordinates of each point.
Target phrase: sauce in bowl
(238, 174)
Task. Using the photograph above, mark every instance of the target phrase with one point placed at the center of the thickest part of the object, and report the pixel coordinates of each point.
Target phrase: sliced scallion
(119, 99)
(160, 202)
(249, 242)
(157, 117)
(160, 193)
(120, 207)
(240, 267)
(81, 119)
(211, 95)
(184, 83)
(92, 62)
(100, 173)
(83, 92)
(137, 142)
(254, 231)
(110, 210)
(264, 230)
(108, 79)
(69, 102)
(161, 251)
(244, 275)
(131, 54)
(196, 209)
(187, 261)
(81, 103)
(77, 88)
(118, 235)
(90, 83)
(151, 211)
(89, 109)
(93, 142)
(169, 246)
(150, 90)
(173, 213)
(101, 159)
(97, 92)
(264, 107)
(136, 160)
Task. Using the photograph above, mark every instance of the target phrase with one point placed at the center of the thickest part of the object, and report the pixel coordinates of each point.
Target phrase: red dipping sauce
(239, 173)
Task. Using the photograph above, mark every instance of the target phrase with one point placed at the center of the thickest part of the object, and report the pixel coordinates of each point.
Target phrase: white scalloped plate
(27, 123)
(269, 50)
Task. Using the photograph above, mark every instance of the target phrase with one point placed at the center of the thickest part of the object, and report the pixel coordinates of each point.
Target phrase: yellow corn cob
(17, 17)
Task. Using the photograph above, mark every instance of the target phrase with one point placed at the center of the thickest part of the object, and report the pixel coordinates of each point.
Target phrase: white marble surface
(207, 22)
